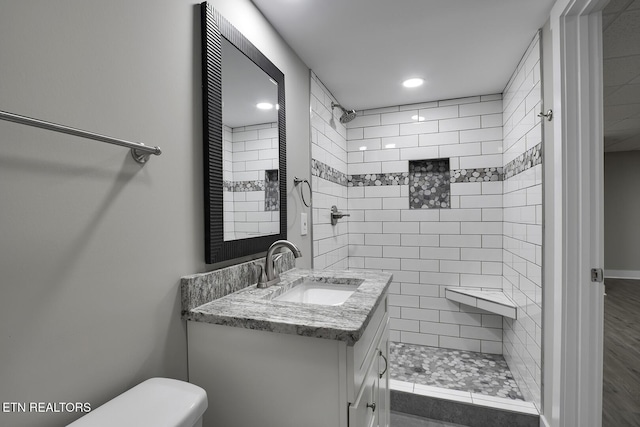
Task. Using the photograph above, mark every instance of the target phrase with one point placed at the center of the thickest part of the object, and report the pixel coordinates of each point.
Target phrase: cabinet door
(364, 411)
(383, 398)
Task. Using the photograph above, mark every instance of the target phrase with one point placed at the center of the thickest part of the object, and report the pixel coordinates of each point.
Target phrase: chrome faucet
(269, 276)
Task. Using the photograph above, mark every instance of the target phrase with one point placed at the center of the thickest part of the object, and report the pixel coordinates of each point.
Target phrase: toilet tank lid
(158, 402)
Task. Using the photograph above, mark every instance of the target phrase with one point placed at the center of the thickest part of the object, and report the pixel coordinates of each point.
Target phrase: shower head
(347, 115)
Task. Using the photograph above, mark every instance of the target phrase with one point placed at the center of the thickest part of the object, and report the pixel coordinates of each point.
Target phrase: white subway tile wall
(248, 152)
(430, 249)
(522, 227)
(328, 181)
(489, 238)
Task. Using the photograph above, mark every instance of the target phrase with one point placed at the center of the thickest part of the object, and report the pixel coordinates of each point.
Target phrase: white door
(573, 341)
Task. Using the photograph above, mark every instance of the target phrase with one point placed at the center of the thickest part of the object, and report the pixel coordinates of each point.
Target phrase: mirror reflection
(251, 195)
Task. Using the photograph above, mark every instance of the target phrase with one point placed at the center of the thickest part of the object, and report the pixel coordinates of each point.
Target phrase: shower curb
(458, 412)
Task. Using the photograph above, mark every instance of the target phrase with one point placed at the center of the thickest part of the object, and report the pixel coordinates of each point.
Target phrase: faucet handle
(262, 277)
(336, 215)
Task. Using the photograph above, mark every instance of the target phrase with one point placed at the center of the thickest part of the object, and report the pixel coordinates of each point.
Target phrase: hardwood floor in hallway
(399, 419)
(621, 376)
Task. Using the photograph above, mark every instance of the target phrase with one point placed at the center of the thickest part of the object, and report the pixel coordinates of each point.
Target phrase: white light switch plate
(303, 224)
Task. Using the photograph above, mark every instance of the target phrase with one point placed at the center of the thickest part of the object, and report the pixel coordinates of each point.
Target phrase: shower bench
(494, 300)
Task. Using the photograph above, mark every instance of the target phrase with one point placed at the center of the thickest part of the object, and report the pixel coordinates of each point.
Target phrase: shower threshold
(464, 387)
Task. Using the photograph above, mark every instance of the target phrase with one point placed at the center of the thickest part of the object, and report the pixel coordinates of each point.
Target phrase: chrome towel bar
(139, 151)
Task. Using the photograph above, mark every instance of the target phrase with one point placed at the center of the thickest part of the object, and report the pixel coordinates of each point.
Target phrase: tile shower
(482, 373)
(445, 193)
(250, 178)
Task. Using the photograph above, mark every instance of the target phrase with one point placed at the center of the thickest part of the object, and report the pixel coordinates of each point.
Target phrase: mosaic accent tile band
(481, 373)
(378, 179)
(456, 175)
(526, 160)
(325, 171)
(477, 175)
(243, 186)
(429, 184)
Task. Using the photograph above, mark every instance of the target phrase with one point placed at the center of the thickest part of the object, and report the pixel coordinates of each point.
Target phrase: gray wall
(621, 210)
(92, 245)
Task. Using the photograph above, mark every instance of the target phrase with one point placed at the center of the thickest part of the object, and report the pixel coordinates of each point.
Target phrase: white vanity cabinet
(369, 405)
(275, 379)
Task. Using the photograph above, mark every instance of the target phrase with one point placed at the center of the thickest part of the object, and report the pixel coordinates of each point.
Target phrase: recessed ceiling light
(417, 118)
(415, 82)
(364, 147)
(264, 106)
(390, 146)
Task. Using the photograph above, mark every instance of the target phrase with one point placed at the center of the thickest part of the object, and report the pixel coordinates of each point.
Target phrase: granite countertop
(254, 308)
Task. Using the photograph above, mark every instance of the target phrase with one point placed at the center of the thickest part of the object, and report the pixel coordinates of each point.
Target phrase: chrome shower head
(347, 115)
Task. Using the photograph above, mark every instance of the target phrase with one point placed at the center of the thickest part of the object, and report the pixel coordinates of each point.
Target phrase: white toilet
(156, 402)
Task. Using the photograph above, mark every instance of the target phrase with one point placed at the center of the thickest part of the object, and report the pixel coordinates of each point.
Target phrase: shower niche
(429, 184)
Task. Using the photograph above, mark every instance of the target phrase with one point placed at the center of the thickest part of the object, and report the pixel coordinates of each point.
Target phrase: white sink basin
(310, 292)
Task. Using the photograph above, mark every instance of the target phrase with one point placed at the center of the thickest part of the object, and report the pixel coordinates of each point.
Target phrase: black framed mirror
(244, 143)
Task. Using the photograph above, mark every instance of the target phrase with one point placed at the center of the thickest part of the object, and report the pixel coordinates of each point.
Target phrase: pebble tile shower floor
(481, 373)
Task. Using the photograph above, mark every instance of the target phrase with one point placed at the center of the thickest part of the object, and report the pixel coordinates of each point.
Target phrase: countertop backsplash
(201, 288)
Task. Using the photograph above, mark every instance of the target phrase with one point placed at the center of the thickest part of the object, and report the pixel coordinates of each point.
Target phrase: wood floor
(399, 419)
(621, 379)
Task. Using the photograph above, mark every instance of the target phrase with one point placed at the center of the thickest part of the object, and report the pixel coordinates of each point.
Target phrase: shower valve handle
(335, 215)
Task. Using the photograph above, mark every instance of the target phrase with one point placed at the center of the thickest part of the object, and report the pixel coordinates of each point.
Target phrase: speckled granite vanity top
(254, 308)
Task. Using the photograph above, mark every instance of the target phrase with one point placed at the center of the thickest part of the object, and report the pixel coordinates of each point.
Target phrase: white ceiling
(363, 49)
(621, 49)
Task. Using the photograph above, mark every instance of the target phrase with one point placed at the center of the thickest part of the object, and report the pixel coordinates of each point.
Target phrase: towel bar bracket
(141, 156)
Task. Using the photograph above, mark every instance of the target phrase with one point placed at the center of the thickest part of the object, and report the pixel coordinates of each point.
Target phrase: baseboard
(622, 274)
